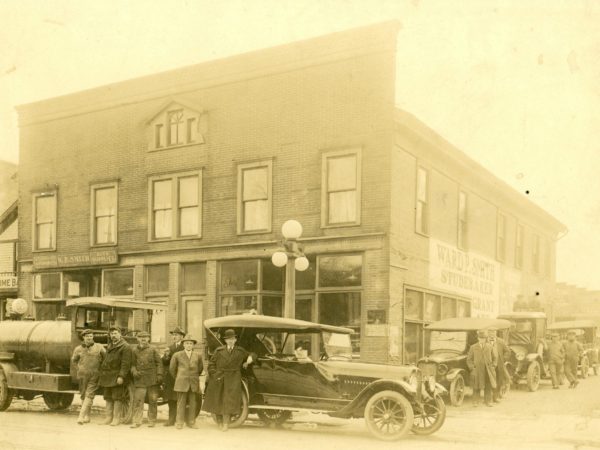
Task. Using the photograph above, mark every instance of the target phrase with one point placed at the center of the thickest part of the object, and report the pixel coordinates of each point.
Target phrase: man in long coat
(223, 395)
(482, 361)
(114, 372)
(573, 352)
(556, 358)
(169, 394)
(87, 357)
(503, 354)
(147, 372)
(186, 367)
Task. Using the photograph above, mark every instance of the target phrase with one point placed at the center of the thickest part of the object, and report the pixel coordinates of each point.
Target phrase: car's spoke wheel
(533, 376)
(6, 394)
(457, 391)
(57, 401)
(237, 419)
(273, 416)
(585, 368)
(127, 412)
(389, 415)
(431, 417)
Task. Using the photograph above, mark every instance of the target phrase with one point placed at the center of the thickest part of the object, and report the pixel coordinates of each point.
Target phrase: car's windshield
(520, 332)
(454, 341)
(337, 345)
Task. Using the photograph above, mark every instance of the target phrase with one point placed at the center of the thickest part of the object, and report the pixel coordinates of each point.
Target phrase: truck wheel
(57, 401)
(127, 414)
(237, 420)
(431, 418)
(6, 394)
(389, 415)
(273, 416)
(533, 376)
(585, 367)
(457, 391)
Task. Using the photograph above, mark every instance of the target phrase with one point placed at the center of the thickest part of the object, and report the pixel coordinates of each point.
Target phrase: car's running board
(290, 408)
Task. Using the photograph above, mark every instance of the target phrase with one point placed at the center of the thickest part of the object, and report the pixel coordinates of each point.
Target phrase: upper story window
(44, 223)
(422, 209)
(341, 188)
(462, 220)
(176, 125)
(548, 258)
(104, 214)
(519, 247)
(175, 206)
(255, 197)
(536, 254)
(501, 237)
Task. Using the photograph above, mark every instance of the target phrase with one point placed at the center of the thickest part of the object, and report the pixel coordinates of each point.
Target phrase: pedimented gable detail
(176, 124)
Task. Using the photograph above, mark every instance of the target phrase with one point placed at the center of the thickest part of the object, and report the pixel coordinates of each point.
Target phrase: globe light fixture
(301, 264)
(279, 259)
(291, 229)
(19, 306)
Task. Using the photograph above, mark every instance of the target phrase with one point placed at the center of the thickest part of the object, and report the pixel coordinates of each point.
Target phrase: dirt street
(545, 419)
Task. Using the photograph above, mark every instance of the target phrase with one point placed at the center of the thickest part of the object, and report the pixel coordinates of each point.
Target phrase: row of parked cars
(394, 400)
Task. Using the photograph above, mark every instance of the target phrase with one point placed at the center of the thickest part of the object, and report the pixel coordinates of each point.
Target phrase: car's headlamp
(413, 381)
(520, 356)
(442, 369)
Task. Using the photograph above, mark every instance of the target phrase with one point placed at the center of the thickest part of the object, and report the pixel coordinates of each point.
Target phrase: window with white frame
(255, 197)
(501, 237)
(341, 188)
(422, 210)
(44, 224)
(519, 247)
(462, 220)
(175, 206)
(104, 214)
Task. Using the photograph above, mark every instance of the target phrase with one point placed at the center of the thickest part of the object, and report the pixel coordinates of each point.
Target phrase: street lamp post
(293, 259)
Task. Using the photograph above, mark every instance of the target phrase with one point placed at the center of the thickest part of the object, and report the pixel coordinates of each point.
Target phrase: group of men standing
(563, 357)
(178, 370)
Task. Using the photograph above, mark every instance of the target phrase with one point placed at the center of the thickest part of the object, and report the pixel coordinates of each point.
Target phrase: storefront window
(448, 308)
(340, 271)
(413, 342)
(47, 286)
(272, 306)
(463, 309)
(193, 277)
(414, 305)
(432, 307)
(306, 280)
(194, 318)
(238, 304)
(157, 278)
(239, 275)
(272, 277)
(342, 309)
(118, 282)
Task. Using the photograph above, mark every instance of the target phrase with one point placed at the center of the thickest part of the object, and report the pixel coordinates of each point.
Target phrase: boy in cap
(556, 357)
(147, 372)
(573, 351)
(482, 361)
(170, 395)
(186, 367)
(88, 356)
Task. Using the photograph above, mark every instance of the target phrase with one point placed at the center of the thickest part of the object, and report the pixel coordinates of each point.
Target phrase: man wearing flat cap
(169, 394)
(556, 358)
(573, 352)
(186, 367)
(223, 395)
(147, 372)
(87, 357)
(482, 361)
(114, 372)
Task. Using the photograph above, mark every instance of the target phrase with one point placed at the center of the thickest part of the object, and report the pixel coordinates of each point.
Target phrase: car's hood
(367, 370)
(444, 357)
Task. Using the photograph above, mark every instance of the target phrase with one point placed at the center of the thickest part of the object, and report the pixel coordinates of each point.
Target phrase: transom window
(341, 188)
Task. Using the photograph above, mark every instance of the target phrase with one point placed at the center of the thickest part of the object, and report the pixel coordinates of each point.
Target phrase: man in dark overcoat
(147, 372)
(113, 377)
(573, 352)
(556, 358)
(503, 354)
(186, 367)
(87, 357)
(169, 394)
(482, 361)
(223, 395)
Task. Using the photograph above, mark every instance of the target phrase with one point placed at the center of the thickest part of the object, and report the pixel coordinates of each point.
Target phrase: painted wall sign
(91, 258)
(8, 280)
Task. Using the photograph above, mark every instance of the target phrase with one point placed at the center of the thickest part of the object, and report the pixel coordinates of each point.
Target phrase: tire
(273, 416)
(457, 391)
(431, 418)
(6, 394)
(585, 367)
(389, 415)
(127, 414)
(57, 401)
(236, 421)
(504, 390)
(533, 376)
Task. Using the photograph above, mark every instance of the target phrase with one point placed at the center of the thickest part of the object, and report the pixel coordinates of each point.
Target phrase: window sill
(341, 225)
(420, 233)
(43, 250)
(171, 147)
(252, 233)
(186, 238)
(112, 244)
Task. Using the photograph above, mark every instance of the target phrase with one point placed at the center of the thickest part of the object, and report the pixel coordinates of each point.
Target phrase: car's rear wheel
(457, 391)
(274, 416)
(57, 401)
(6, 394)
(388, 415)
(238, 419)
(585, 367)
(127, 412)
(533, 376)
(431, 418)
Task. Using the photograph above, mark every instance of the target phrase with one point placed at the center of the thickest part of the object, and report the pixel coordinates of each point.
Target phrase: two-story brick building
(173, 187)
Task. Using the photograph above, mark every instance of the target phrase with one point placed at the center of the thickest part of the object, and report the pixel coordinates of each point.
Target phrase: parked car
(526, 340)
(35, 356)
(588, 333)
(449, 341)
(392, 399)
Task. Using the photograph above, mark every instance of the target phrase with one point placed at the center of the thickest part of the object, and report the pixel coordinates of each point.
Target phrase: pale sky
(514, 84)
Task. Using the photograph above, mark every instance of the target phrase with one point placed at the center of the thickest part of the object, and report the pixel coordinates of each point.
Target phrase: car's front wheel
(533, 376)
(457, 391)
(585, 367)
(237, 419)
(273, 416)
(389, 415)
(431, 417)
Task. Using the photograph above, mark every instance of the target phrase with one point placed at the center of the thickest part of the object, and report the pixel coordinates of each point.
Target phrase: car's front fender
(453, 373)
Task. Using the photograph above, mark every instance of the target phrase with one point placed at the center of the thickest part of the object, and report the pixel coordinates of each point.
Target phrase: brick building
(173, 187)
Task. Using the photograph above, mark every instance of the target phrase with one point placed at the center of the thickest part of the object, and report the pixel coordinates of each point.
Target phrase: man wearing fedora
(186, 367)
(223, 395)
(556, 358)
(87, 358)
(114, 372)
(573, 351)
(482, 360)
(503, 354)
(171, 396)
(147, 372)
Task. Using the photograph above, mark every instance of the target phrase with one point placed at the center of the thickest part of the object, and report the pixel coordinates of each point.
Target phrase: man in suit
(482, 361)
(186, 367)
(556, 358)
(573, 352)
(503, 354)
(147, 372)
(169, 395)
